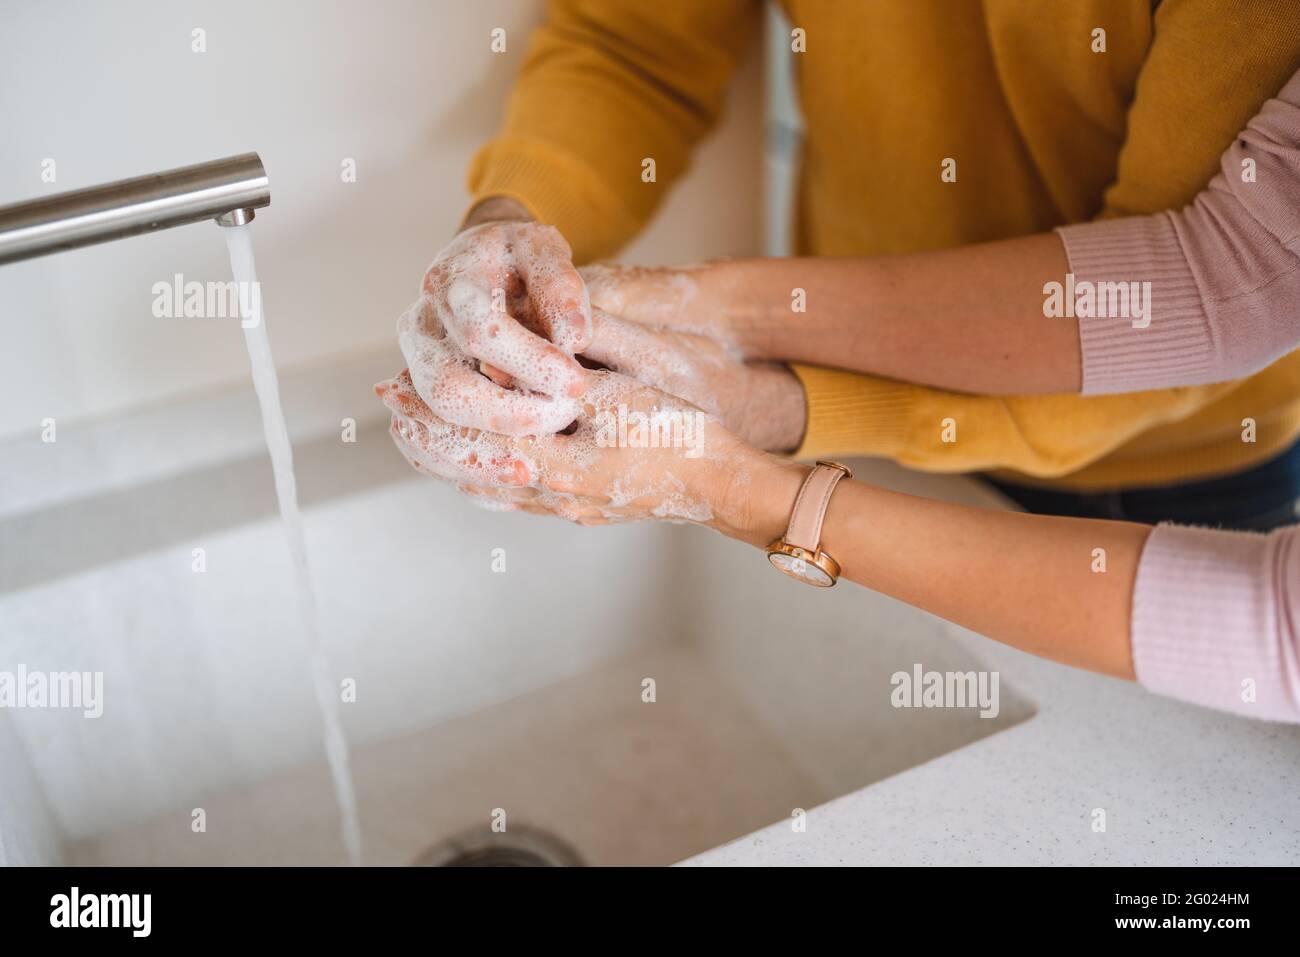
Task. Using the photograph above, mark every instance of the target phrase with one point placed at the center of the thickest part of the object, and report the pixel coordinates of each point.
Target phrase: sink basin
(499, 662)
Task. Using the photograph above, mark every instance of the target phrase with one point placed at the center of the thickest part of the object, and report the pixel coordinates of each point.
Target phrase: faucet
(227, 190)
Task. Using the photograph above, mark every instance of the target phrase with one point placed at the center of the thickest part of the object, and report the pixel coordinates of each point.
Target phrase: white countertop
(1180, 786)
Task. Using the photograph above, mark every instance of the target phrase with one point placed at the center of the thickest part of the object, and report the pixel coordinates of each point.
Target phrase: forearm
(968, 319)
(604, 86)
(1027, 581)
(971, 319)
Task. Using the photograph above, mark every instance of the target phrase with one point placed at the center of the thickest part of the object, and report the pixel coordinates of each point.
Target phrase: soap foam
(508, 295)
(451, 385)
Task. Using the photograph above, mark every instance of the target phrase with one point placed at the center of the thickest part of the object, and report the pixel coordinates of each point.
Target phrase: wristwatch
(798, 554)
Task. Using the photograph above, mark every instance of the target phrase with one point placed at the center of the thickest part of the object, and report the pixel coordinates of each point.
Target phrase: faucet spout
(236, 217)
(227, 190)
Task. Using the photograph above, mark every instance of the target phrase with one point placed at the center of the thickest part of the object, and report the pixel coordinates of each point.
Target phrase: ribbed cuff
(852, 415)
(556, 188)
(1121, 353)
(1204, 623)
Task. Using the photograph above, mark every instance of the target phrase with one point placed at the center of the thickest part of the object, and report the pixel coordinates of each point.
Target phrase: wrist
(773, 409)
(756, 495)
(761, 305)
(731, 294)
(492, 209)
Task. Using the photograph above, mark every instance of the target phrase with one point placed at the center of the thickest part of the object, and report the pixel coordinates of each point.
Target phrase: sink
(642, 693)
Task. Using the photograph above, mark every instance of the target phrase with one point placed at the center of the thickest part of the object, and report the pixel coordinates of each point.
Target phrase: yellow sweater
(1043, 129)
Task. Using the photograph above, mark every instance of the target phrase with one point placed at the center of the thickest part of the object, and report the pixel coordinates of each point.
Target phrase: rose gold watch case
(811, 568)
(819, 570)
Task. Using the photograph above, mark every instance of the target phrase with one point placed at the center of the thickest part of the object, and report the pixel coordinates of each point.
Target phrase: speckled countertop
(1180, 785)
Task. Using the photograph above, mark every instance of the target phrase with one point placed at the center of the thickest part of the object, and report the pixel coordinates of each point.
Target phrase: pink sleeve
(1224, 272)
(1216, 619)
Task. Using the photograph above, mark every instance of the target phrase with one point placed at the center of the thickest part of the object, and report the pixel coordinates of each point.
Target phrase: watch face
(801, 569)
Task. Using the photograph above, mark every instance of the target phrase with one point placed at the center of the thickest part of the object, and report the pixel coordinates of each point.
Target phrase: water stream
(240, 242)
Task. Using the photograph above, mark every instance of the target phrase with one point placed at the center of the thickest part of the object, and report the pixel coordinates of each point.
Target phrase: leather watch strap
(809, 512)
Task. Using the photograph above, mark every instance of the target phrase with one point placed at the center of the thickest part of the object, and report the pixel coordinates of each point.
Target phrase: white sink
(476, 689)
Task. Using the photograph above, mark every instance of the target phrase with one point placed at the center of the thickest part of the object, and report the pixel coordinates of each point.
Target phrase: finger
(458, 453)
(681, 364)
(517, 496)
(575, 508)
(634, 350)
(561, 462)
(556, 291)
(457, 458)
(522, 310)
(484, 330)
(578, 509)
(470, 287)
(585, 510)
(503, 379)
(504, 499)
(450, 384)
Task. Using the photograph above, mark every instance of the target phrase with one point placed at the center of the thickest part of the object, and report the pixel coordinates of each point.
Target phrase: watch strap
(805, 530)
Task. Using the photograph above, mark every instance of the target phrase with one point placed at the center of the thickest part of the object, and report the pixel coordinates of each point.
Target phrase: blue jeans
(1261, 498)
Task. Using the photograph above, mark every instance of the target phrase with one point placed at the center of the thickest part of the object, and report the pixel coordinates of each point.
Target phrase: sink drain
(519, 847)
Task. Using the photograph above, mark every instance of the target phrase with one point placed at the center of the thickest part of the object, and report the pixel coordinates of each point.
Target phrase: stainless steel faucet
(227, 190)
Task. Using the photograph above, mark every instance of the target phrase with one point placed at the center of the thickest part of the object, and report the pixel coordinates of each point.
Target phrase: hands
(492, 381)
(495, 402)
(669, 328)
(502, 299)
(636, 454)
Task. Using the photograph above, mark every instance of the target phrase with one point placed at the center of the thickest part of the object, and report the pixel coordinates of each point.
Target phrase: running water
(240, 241)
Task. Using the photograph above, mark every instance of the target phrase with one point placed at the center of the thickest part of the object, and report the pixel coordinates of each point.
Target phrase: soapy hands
(503, 299)
(503, 312)
(635, 453)
(660, 327)
(450, 382)
(659, 431)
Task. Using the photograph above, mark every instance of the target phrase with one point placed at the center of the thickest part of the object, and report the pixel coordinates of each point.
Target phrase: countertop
(1179, 785)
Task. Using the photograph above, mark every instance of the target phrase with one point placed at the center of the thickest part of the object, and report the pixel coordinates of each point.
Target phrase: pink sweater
(1216, 615)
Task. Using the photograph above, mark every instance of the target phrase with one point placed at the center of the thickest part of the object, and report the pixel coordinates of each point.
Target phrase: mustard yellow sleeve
(605, 85)
(939, 431)
(1211, 66)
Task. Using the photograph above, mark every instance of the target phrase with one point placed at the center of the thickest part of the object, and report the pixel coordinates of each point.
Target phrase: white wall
(409, 89)
(406, 87)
